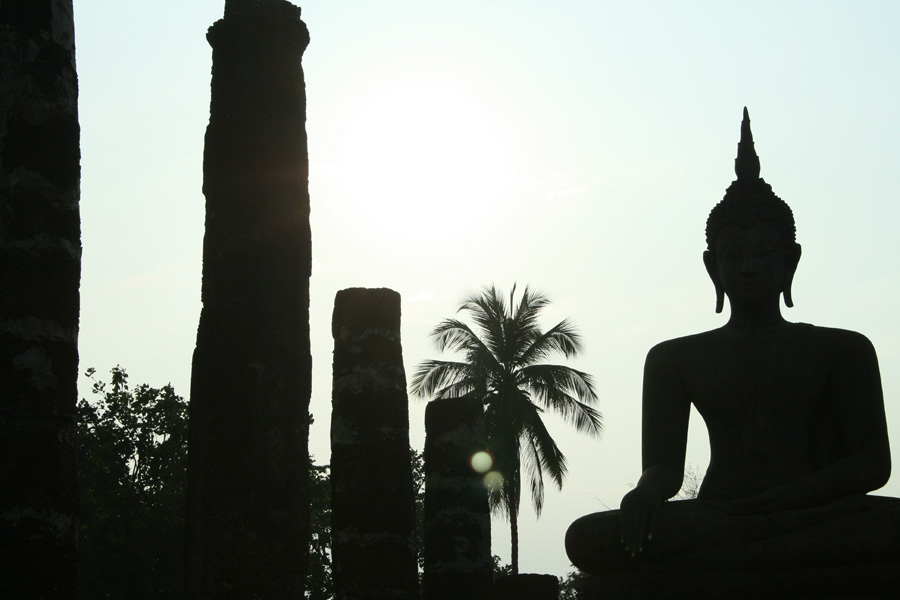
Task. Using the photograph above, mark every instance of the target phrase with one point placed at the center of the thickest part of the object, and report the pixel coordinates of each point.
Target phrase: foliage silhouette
(690, 487)
(319, 584)
(505, 368)
(132, 466)
(567, 585)
(132, 461)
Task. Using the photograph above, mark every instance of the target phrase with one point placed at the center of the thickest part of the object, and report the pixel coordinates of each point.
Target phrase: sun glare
(423, 160)
(482, 462)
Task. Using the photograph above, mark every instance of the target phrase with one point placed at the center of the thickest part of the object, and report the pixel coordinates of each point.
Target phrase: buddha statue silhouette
(795, 417)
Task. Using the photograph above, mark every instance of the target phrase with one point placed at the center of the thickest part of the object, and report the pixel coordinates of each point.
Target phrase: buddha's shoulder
(818, 339)
(681, 348)
(839, 340)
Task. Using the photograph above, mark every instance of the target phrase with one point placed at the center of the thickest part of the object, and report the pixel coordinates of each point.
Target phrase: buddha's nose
(749, 264)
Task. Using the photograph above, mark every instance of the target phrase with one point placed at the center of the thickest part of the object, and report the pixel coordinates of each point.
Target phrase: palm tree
(505, 367)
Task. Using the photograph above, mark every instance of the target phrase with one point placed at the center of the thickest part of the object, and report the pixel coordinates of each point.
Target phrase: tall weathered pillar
(372, 506)
(457, 518)
(40, 271)
(248, 514)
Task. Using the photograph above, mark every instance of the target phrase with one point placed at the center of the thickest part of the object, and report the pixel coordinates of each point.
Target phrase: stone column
(40, 272)
(457, 519)
(372, 506)
(248, 509)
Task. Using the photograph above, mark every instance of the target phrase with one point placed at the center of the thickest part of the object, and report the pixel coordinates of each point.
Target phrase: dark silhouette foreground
(796, 426)
(247, 513)
(40, 272)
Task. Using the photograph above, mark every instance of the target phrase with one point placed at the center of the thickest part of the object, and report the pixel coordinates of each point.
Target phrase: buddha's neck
(756, 321)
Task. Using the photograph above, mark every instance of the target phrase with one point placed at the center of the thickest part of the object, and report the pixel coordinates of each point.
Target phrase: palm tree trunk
(514, 538)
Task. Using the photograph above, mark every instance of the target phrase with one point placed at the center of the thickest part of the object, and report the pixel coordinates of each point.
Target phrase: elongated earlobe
(788, 301)
(710, 262)
(793, 261)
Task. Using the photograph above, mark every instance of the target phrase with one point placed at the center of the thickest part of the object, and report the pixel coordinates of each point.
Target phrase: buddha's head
(752, 252)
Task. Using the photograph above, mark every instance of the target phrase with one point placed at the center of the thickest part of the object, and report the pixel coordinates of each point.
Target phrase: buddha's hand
(781, 497)
(639, 513)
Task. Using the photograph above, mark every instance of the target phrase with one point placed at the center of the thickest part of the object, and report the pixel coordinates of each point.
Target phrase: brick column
(457, 519)
(40, 272)
(373, 512)
(248, 509)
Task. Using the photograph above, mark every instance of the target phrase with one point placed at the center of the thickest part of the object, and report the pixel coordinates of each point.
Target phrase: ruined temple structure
(457, 518)
(247, 511)
(40, 270)
(373, 512)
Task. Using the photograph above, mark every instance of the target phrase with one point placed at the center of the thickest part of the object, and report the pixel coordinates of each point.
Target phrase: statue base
(526, 586)
(852, 582)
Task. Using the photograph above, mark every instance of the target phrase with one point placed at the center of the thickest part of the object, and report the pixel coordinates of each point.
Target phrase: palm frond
(562, 338)
(454, 335)
(542, 456)
(535, 475)
(530, 306)
(488, 311)
(567, 392)
(552, 460)
(459, 389)
(505, 354)
(522, 326)
(432, 377)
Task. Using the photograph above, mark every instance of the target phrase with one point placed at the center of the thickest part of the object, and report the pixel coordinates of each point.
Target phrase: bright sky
(574, 146)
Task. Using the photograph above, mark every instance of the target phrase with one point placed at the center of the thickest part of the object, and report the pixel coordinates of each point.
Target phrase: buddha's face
(752, 264)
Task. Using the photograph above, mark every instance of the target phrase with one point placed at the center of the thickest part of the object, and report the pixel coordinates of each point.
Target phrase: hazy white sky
(573, 146)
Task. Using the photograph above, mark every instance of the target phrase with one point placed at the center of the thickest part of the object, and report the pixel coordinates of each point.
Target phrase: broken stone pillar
(247, 496)
(372, 507)
(40, 271)
(526, 586)
(457, 519)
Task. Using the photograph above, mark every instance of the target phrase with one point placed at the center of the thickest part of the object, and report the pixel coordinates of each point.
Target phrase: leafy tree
(567, 585)
(690, 487)
(417, 461)
(505, 368)
(132, 464)
(319, 584)
(132, 453)
(498, 568)
(132, 461)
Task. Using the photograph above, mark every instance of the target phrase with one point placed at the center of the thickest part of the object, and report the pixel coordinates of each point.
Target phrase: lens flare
(493, 481)
(481, 462)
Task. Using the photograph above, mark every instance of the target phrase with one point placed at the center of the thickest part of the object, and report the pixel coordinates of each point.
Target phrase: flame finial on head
(746, 165)
(749, 199)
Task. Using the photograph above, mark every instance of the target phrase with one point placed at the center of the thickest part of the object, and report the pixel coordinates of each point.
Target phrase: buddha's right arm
(666, 411)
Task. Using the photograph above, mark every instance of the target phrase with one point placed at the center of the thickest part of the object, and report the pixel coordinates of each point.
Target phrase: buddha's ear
(709, 260)
(792, 258)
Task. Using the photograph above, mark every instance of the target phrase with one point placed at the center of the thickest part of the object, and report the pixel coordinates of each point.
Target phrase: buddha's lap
(690, 535)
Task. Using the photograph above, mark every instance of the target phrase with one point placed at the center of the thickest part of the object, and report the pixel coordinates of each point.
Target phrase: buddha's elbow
(884, 472)
(878, 472)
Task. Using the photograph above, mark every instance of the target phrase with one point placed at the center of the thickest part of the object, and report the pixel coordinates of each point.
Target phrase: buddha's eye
(764, 250)
(731, 253)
